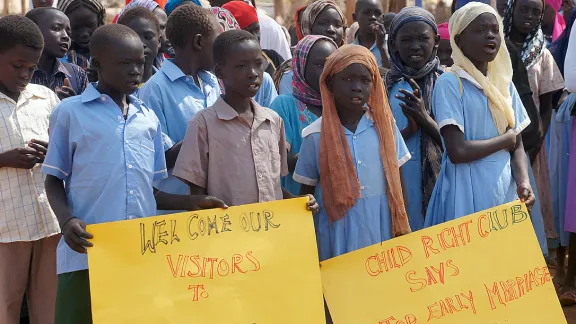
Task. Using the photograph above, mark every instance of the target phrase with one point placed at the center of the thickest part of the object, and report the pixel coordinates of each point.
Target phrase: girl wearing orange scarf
(350, 157)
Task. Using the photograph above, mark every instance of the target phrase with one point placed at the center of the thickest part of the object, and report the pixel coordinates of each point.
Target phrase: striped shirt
(25, 214)
(55, 80)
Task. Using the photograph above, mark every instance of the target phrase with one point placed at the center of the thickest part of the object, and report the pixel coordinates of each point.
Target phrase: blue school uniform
(466, 188)
(108, 163)
(412, 170)
(175, 98)
(267, 92)
(375, 51)
(296, 117)
(285, 86)
(368, 222)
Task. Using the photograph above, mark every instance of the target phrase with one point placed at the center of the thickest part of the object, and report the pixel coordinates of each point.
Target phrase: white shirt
(25, 214)
(570, 62)
(272, 36)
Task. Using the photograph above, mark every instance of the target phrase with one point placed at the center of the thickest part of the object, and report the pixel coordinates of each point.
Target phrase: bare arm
(172, 155)
(166, 201)
(460, 150)
(519, 165)
(546, 111)
(292, 159)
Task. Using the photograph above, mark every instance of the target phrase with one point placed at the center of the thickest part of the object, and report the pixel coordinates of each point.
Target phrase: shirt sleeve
(283, 149)
(58, 161)
(551, 78)
(447, 102)
(160, 170)
(520, 114)
(151, 94)
(192, 162)
(401, 149)
(570, 62)
(307, 171)
(82, 81)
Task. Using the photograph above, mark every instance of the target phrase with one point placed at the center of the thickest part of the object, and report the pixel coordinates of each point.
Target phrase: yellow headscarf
(496, 85)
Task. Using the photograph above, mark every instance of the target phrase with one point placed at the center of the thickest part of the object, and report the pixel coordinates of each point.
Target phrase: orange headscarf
(340, 186)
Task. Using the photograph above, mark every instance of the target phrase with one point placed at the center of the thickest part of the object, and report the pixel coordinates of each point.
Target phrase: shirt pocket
(146, 154)
(274, 155)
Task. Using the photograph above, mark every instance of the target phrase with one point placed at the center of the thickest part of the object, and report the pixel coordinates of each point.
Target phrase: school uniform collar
(357, 42)
(92, 94)
(31, 90)
(58, 68)
(225, 112)
(173, 72)
(365, 122)
(465, 75)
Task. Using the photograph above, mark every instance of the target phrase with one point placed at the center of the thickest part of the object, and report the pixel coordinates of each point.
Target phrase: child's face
(242, 71)
(387, 20)
(351, 88)
(415, 43)
(480, 41)
(149, 36)
(121, 67)
(17, 64)
(254, 29)
(502, 6)
(367, 14)
(315, 63)
(527, 15)
(162, 19)
(55, 28)
(445, 52)
(83, 22)
(329, 24)
(42, 3)
(205, 55)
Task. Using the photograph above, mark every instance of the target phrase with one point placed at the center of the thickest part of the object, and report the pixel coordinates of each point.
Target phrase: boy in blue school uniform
(106, 145)
(183, 86)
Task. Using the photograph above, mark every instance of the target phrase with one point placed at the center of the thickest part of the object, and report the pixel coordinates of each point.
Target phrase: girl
(85, 16)
(322, 17)
(444, 48)
(41, 3)
(351, 156)
(414, 69)
(480, 117)
(553, 23)
(304, 105)
(522, 25)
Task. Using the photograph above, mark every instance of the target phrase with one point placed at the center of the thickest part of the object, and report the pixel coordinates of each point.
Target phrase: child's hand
(413, 104)
(75, 235)
(208, 202)
(66, 91)
(511, 139)
(312, 204)
(380, 32)
(526, 195)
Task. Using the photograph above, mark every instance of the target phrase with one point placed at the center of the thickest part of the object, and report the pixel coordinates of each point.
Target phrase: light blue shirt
(375, 51)
(286, 83)
(108, 163)
(175, 98)
(267, 92)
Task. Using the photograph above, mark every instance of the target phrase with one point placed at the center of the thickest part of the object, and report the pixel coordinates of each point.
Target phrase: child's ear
(197, 42)
(436, 41)
(218, 71)
(95, 63)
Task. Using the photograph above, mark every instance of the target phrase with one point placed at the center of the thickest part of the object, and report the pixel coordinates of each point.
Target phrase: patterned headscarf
(301, 90)
(95, 5)
(148, 4)
(312, 12)
(559, 23)
(534, 44)
(340, 185)
(225, 19)
(431, 151)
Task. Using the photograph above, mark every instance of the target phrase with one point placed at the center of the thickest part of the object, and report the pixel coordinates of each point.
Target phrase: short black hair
(108, 36)
(19, 30)
(187, 20)
(37, 14)
(226, 40)
(137, 13)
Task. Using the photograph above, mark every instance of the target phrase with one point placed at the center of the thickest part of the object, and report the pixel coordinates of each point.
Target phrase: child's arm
(413, 105)
(166, 201)
(546, 110)
(73, 229)
(460, 150)
(519, 166)
(292, 160)
(312, 204)
(172, 154)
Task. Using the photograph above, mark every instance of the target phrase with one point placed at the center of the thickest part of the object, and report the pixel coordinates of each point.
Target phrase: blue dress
(267, 92)
(412, 170)
(368, 222)
(296, 117)
(466, 188)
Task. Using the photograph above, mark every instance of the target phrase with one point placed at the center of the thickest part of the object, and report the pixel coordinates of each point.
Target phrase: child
(304, 105)
(183, 86)
(350, 158)
(236, 149)
(480, 117)
(66, 79)
(371, 33)
(414, 69)
(146, 25)
(522, 25)
(40, 4)
(322, 18)
(85, 16)
(444, 48)
(109, 177)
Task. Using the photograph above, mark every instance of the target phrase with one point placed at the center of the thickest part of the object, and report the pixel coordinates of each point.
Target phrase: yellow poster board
(248, 264)
(486, 268)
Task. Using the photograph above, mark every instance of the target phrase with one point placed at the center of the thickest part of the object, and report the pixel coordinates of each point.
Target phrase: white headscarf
(496, 85)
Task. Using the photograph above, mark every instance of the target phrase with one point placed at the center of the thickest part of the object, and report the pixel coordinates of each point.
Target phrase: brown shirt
(235, 161)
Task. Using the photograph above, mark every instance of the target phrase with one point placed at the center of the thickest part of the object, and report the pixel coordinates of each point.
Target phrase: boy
(236, 149)
(107, 146)
(183, 86)
(28, 228)
(371, 33)
(52, 73)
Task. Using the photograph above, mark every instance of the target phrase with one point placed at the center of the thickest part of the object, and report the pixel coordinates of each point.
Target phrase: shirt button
(119, 117)
(129, 166)
(359, 162)
(187, 79)
(354, 137)
(362, 187)
(131, 192)
(102, 98)
(130, 217)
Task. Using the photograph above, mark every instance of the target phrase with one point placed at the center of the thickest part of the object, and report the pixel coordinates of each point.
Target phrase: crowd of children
(409, 125)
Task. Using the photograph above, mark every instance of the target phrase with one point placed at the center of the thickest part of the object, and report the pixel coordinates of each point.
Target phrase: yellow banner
(248, 264)
(484, 268)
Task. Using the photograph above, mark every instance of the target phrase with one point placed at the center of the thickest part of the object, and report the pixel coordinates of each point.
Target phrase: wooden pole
(350, 7)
